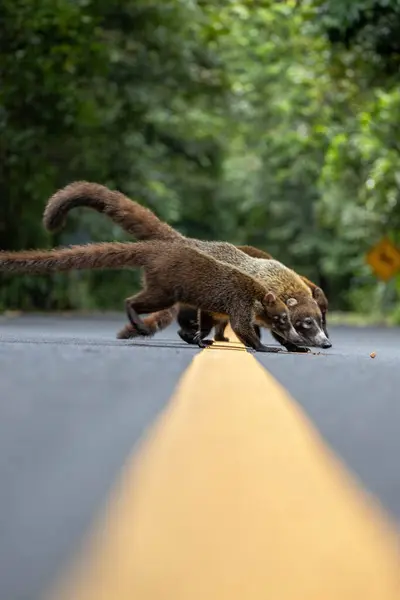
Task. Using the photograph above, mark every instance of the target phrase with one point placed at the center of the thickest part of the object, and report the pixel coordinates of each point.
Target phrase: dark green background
(270, 123)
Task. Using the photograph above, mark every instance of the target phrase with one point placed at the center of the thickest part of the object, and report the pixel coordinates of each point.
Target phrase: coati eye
(307, 322)
(276, 317)
(283, 318)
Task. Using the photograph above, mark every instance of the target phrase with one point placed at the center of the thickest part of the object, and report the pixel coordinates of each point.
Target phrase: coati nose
(326, 344)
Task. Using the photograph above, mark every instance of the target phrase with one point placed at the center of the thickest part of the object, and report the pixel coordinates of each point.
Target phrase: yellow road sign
(384, 259)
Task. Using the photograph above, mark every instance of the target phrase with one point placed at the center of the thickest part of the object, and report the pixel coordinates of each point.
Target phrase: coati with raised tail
(143, 224)
(173, 273)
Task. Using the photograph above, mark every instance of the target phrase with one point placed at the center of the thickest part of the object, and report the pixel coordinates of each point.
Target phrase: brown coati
(173, 273)
(144, 224)
(317, 292)
(187, 316)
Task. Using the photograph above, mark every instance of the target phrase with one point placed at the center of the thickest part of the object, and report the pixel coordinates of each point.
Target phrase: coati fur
(173, 273)
(187, 316)
(144, 225)
(317, 292)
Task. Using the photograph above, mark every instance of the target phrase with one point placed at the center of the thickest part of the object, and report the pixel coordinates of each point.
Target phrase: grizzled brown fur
(143, 224)
(187, 316)
(173, 273)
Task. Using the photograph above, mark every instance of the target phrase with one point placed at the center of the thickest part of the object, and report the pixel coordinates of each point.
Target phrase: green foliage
(126, 93)
(269, 123)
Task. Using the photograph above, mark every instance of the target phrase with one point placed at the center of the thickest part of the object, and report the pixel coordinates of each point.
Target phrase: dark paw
(187, 337)
(204, 343)
(299, 349)
(294, 348)
(271, 349)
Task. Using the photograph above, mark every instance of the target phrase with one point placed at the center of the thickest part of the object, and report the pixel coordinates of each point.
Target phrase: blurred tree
(361, 174)
(125, 93)
(271, 123)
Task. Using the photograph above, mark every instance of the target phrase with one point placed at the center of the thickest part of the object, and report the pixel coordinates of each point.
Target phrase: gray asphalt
(74, 401)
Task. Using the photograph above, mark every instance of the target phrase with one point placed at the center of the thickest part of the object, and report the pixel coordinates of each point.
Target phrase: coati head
(308, 319)
(277, 317)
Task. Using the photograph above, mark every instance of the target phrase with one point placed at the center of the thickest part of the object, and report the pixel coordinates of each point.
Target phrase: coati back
(144, 224)
(174, 273)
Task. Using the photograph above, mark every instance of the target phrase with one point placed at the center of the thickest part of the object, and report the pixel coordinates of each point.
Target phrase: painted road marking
(233, 495)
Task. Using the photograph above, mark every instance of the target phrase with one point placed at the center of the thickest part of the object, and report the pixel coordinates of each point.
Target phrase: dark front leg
(190, 332)
(247, 335)
(187, 317)
(289, 347)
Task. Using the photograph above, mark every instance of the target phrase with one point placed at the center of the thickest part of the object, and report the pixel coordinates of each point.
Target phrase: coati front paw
(271, 349)
(293, 348)
(187, 336)
(299, 349)
(191, 337)
(204, 343)
(200, 341)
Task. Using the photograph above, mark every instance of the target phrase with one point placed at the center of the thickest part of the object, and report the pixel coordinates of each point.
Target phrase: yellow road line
(233, 495)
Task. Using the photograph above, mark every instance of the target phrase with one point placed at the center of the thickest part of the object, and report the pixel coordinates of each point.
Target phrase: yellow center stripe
(234, 496)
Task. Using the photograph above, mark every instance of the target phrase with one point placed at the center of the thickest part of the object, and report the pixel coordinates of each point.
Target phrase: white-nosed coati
(173, 273)
(187, 316)
(143, 224)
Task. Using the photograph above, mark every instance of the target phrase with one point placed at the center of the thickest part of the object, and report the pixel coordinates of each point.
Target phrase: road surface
(74, 401)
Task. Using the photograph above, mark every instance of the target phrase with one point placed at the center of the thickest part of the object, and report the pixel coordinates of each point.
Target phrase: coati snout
(282, 325)
(308, 320)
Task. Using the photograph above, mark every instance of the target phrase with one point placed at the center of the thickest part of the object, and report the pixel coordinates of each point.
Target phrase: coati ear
(290, 302)
(320, 298)
(269, 298)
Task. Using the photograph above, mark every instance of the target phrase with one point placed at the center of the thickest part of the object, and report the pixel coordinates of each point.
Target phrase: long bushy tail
(131, 216)
(111, 255)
